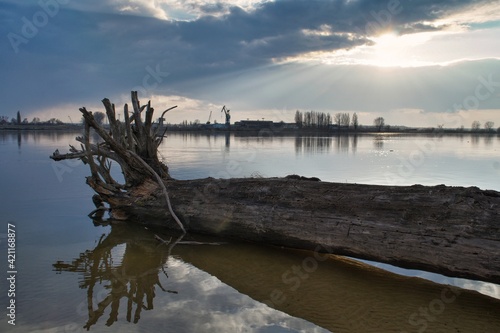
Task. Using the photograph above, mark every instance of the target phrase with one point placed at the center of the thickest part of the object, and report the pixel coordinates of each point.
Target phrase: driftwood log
(449, 230)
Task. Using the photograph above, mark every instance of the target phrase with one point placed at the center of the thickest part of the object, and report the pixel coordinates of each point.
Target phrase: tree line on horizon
(343, 120)
(308, 119)
(314, 119)
(4, 120)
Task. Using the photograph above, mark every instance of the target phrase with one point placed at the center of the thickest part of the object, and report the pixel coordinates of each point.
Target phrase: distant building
(254, 124)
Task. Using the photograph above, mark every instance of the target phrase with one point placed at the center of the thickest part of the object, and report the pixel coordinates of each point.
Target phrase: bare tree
(354, 121)
(337, 119)
(379, 122)
(299, 118)
(346, 119)
(489, 125)
(476, 125)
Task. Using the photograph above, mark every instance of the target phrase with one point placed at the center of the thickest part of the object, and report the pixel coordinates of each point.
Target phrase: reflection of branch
(170, 244)
(135, 278)
(178, 242)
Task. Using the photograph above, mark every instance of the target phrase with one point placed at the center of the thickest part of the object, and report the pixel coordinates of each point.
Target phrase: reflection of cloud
(206, 304)
(486, 288)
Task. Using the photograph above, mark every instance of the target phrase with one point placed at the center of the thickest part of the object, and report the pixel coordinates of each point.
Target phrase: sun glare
(387, 50)
(391, 50)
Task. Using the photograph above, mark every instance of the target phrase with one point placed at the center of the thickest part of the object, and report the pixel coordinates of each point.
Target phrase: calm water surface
(75, 276)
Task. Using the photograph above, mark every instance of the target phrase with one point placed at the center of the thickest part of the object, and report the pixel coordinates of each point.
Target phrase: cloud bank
(60, 52)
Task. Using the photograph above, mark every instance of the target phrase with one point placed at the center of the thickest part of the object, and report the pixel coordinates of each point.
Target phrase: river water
(74, 276)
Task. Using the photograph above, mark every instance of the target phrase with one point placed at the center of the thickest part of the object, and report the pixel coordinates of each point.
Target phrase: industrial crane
(209, 117)
(228, 116)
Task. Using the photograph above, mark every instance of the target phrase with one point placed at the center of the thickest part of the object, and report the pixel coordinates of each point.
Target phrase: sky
(415, 63)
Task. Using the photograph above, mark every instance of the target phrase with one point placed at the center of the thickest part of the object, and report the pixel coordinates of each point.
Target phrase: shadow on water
(332, 292)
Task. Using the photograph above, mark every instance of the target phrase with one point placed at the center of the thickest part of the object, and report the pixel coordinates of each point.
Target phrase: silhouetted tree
(489, 125)
(379, 122)
(54, 121)
(313, 119)
(18, 117)
(99, 117)
(476, 125)
(337, 119)
(299, 118)
(345, 119)
(354, 121)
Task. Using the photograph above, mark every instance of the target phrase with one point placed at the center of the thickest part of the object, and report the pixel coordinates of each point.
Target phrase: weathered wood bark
(449, 230)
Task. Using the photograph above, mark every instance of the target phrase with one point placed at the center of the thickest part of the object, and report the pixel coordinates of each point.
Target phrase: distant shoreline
(41, 127)
(270, 130)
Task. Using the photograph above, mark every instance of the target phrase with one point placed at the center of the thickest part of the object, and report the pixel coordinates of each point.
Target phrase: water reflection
(343, 142)
(132, 277)
(129, 265)
(474, 139)
(378, 142)
(37, 136)
(342, 295)
(335, 293)
(318, 145)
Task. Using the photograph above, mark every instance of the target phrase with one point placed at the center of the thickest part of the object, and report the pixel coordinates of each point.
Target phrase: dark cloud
(212, 8)
(91, 50)
(357, 87)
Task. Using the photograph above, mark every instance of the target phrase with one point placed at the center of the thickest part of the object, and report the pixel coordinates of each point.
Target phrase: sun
(393, 50)
(386, 50)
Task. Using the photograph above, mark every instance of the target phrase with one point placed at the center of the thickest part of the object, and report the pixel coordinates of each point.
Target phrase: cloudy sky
(414, 62)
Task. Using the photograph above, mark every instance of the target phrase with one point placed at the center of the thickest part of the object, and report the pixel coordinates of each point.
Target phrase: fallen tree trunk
(454, 231)
(448, 230)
